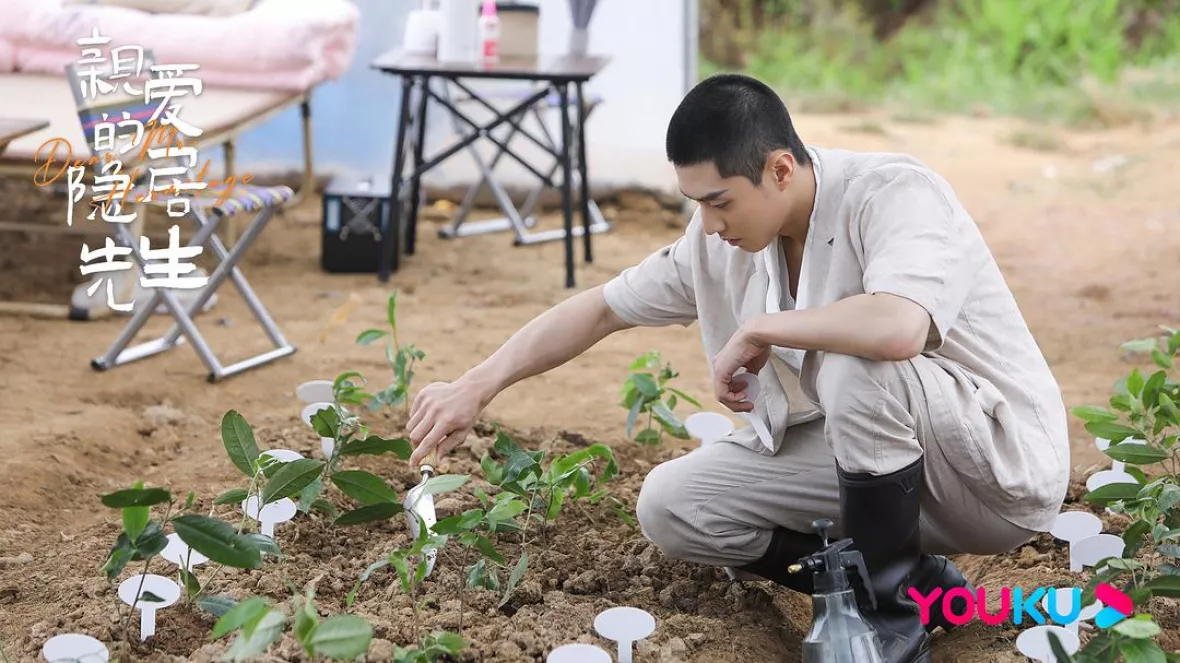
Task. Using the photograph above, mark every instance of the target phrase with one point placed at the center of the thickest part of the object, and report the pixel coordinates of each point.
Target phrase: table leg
(389, 241)
(416, 182)
(588, 255)
(567, 207)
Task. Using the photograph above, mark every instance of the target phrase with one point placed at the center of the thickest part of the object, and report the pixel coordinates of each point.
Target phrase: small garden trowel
(419, 508)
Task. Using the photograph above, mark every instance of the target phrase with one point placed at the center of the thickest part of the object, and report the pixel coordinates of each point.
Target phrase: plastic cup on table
(624, 626)
(160, 587)
(1073, 526)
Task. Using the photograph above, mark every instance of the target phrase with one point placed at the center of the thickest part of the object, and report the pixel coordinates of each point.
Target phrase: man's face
(746, 216)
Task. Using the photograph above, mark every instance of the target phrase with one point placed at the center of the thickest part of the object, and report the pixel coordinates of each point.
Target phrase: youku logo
(960, 606)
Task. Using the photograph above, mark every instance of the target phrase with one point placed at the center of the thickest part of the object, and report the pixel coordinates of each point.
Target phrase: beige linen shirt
(883, 222)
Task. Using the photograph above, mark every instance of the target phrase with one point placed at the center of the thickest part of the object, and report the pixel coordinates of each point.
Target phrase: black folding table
(555, 74)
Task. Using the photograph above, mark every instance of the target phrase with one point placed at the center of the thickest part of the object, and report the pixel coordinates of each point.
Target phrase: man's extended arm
(442, 414)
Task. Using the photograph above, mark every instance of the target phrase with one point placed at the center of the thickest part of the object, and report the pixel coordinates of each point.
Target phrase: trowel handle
(429, 464)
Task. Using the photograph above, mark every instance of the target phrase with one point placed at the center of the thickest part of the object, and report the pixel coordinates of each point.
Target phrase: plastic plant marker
(1034, 642)
(178, 552)
(1107, 477)
(578, 652)
(1093, 549)
(1072, 526)
(160, 586)
(279, 511)
(316, 391)
(708, 427)
(75, 648)
(751, 385)
(327, 446)
(310, 410)
(624, 626)
(282, 455)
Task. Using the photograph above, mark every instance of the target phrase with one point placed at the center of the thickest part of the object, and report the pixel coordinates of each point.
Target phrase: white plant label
(315, 391)
(153, 587)
(75, 648)
(624, 625)
(279, 511)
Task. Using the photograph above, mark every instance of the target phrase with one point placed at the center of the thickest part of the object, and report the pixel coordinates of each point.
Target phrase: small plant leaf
(232, 496)
(1137, 454)
(238, 616)
(1169, 497)
(310, 493)
(118, 557)
(151, 542)
(646, 385)
(135, 519)
(291, 478)
(1141, 650)
(514, 579)
(257, 636)
(326, 422)
(326, 507)
(1162, 360)
(1135, 536)
(218, 541)
(218, 606)
(148, 597)
(1113, 492)
(238, 439)
(374, 445)
(460, 523)
(1110, 430)
(265, 544)
(133, 497)
(341, 637)
(1094, 413)
(685, 397)
(368, 336)
(364, 487)
(649, 436)
(368, 514)
(391, 310)
(1139, 345)
(444, 483)
(1167, 586)
(1138, 627)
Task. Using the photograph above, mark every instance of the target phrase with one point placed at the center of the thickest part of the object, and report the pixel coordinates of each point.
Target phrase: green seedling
(401, 360)
(439, 646)
(259, 625)
(1142, 408)
(143, 538)
(646, 392)
(411, 563)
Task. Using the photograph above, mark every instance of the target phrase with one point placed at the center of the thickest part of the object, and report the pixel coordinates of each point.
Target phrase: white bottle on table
(489, 33)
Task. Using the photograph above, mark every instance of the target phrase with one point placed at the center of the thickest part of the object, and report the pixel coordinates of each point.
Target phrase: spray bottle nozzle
(830, 562)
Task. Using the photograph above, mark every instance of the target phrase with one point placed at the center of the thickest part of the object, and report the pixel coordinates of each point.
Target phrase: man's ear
(782, 167)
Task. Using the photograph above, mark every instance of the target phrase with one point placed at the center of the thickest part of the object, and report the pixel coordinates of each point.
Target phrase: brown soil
(1090, 255)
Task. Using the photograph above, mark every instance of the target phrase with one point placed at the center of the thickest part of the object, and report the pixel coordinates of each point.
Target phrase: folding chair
(206, 207)
(520, 220)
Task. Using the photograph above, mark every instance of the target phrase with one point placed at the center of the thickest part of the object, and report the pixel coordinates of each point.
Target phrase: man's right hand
(441, 417)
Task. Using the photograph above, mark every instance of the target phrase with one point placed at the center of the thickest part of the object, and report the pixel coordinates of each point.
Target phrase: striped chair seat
(243, 198)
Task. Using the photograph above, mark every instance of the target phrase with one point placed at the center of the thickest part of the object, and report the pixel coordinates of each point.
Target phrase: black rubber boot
(880, 514)
(788, 546)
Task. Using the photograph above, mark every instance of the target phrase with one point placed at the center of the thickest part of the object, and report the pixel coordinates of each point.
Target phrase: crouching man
(902, 394)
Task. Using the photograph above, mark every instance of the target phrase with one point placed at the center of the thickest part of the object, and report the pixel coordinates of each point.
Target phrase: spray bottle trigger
(854, 558)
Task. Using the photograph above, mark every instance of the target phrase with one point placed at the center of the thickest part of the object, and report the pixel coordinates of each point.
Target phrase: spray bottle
(839, 634)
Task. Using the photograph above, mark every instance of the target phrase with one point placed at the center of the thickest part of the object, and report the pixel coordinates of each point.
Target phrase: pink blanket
(280, 44)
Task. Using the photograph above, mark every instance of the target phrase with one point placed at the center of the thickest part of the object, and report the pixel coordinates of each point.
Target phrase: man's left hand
(742, 351)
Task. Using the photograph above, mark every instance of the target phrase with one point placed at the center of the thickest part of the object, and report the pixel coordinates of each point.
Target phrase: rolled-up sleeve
(919, 244)
(658, 291)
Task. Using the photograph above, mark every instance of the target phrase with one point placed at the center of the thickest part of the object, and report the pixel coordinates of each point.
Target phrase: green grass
(1050, 60)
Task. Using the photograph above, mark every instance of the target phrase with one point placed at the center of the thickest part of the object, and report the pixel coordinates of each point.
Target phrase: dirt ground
(1083, 226)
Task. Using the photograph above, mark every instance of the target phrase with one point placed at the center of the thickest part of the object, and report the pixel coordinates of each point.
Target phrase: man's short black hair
(734, 121)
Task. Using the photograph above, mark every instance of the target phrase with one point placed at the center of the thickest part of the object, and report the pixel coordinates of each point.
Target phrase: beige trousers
(718, 505)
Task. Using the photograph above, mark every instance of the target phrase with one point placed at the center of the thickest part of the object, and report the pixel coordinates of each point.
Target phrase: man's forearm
(880, 327)
(546, 342)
